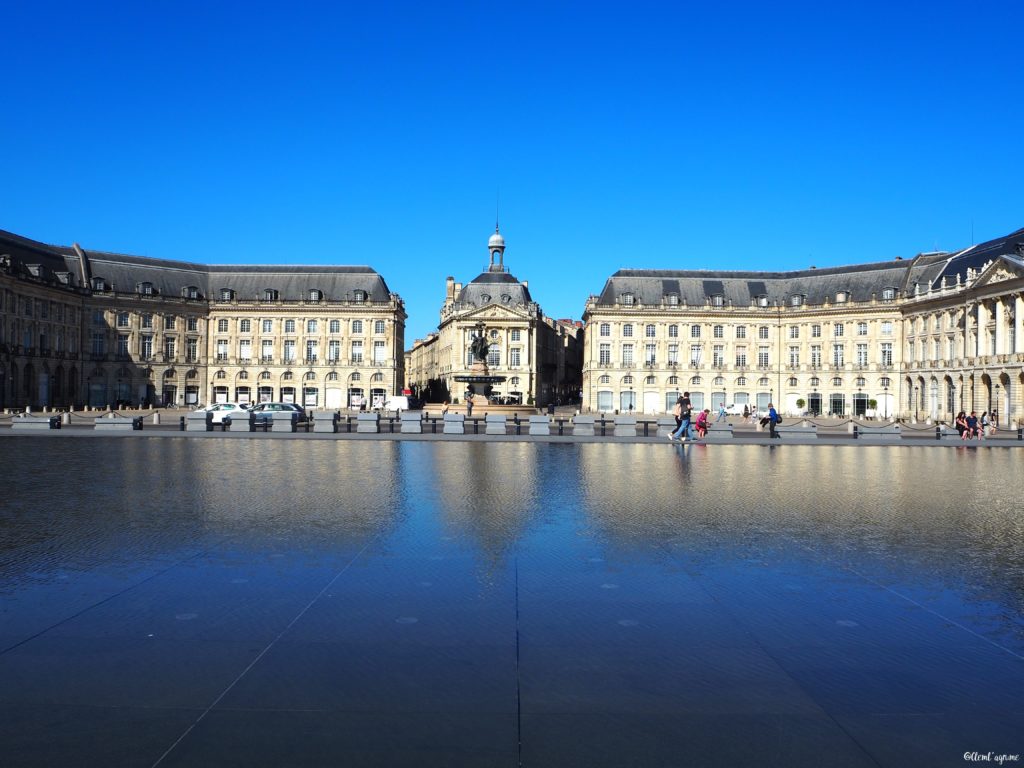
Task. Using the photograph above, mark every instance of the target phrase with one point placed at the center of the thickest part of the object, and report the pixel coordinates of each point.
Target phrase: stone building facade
(539, 358)
(90, 328)
(920, 338)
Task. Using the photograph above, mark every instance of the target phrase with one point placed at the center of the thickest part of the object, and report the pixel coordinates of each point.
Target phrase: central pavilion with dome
(539, 358)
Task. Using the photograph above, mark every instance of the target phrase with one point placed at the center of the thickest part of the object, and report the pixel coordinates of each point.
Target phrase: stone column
(1018, 324)
(1000, 333)
(982, 318)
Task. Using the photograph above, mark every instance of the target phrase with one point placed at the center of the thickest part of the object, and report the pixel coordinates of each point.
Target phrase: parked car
(222, 411)
(262, 412)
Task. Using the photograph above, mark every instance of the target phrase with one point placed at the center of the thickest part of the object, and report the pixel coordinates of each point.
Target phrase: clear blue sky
(764, 136)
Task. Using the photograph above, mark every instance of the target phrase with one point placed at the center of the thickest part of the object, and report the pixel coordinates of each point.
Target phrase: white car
(220, 410)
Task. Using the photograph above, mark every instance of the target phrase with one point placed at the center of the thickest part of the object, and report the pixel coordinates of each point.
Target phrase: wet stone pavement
(177, 602)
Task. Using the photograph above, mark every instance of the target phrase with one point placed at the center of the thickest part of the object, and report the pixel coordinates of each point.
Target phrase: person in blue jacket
(773, 419)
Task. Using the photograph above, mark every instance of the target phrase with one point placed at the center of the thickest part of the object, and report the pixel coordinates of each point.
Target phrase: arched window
(606, 379)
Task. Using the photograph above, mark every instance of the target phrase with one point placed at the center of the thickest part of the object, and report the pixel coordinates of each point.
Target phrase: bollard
(938, 432)
(1020, 433)
(181, 423)
(519, 426)
(856, 432)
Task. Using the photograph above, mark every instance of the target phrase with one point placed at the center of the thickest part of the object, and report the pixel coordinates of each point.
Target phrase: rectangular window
(267, 351)
(762, 332)
(837, 354)
(268, 326)
(606, 329)
(627, 354)
(357, 326)
(816, 355)
(694, 331)
(627, 330)
(222, 325)
(741, 357)
(493, 356)
(794, 331)
(169, 349)
(741, 331)
(192, 324)
(98, 343)
(122, 345)
(838, 329)
(650, 357)
(378, 326)
(513, 356)
(334, 350)
(289, 351)
(718, 356)
(605, 354)
(289, 326)
(762, 357)
(380, 352)
(515, 335)
(192, 350)
(887, 328)
(794, 357)
(147, 320)
(357, 351)
(245, 349)
(718, 332)
(312, 351)
(169, 322)
(815, 331)
(673, 331)
(696, 350)
(862, 355)
(334, 326)
(311, 326)
(673, 354)
(862, 328)
(222, 350)
(146, 348)
(122, 320)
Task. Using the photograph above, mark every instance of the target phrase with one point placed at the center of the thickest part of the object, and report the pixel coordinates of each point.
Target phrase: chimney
(449, 285)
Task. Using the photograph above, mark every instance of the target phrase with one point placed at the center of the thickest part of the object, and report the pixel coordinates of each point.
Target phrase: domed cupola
(496, 245)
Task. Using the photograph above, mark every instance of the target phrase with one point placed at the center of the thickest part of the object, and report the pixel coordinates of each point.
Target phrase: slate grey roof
(492, 288)
(124, 273)
(975, 257)
(696, 287)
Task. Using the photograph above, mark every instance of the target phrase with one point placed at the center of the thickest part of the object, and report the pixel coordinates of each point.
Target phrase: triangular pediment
(494, 312)
(999, 270)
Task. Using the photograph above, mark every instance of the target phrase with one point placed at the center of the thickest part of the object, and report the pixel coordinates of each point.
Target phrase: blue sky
(763, 136)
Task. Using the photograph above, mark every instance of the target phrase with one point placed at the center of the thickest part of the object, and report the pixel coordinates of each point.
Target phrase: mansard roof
(950, 265)
(742, 288)
(492, 287)
(124, 272)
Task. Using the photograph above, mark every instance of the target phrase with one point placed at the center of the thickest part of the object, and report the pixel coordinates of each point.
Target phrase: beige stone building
(84, 327)
(918, 339)
(538, 358)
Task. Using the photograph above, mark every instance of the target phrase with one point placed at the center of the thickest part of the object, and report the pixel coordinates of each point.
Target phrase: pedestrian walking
(683, 430)
(773, 420)
(721, 413)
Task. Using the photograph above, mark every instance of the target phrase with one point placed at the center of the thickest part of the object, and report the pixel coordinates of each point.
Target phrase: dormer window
(718, 300)
(505, 298)
(64, 278)
(796, 300)
(359, 295)
(269, 294)
(888, 294)
(190, 292)
(672, 299)
(146, 289)
(628, 299)
(762, 301)
(315, 294)
(485, 297)
(226, 294)
(842, 297)
(99, 284)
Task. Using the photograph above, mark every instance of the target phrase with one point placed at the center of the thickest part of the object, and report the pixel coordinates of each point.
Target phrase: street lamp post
(885, 400)
(916, 402)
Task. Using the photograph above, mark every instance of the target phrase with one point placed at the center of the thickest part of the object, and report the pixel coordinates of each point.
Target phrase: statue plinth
(479, 368)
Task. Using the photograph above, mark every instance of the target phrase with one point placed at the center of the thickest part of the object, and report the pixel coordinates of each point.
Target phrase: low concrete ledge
(325, 421)
(454, 424)
(721, 431)
(540, 425)
(411, 422)
(583, 425)
(283, 421)
(950, 435)
(118, 423)
(199, 421)
(368, 422)
(31, 423)
(801, 429)
(495, 424)
(890, 433)
(625, 426)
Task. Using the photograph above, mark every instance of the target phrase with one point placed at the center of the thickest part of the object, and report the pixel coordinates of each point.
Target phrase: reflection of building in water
(538, 357)
(921, 338)
(489, 493)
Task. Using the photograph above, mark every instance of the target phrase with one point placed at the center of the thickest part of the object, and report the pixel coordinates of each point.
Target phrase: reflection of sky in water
(937, 525)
